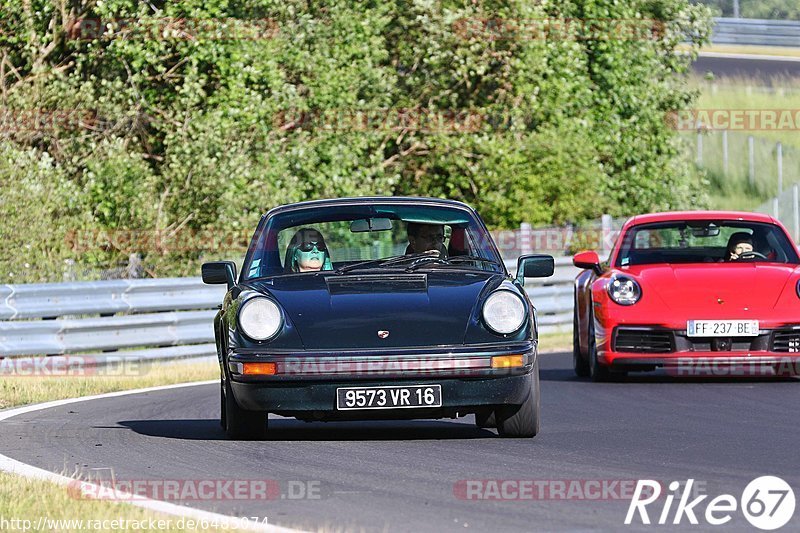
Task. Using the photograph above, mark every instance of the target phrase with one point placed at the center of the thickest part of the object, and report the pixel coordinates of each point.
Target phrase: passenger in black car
(307, 252)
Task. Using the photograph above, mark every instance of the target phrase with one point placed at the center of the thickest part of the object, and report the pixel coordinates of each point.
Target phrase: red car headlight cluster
(624, 290)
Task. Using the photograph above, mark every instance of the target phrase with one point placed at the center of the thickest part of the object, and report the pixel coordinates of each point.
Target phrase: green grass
(25, 499)
(733, 188)
(22, 390)
(555, 342)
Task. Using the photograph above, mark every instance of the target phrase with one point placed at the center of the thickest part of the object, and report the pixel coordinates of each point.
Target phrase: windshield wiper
(452, 260)
(459, 258)
(348, 268)
(382, 262)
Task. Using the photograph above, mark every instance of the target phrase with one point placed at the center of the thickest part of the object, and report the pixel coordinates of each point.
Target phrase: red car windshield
(705, 241)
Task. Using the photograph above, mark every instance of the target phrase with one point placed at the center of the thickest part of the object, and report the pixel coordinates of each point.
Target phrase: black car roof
(366, 200)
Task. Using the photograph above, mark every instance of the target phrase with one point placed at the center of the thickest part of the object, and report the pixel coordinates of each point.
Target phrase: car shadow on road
(289, 429)
(567, 375)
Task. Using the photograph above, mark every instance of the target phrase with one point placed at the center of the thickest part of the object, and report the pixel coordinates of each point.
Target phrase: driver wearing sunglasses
(307, 252)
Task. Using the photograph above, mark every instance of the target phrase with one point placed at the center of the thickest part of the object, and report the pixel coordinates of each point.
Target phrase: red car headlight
(624, 290)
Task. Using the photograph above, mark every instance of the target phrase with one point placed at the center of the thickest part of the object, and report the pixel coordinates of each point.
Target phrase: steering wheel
(752, 255)
(434, 256)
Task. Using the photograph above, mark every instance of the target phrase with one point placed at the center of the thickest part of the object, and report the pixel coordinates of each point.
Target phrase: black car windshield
(370, 236)
(705, 241)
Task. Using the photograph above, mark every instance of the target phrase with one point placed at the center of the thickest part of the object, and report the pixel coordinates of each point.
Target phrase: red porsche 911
(696, 293)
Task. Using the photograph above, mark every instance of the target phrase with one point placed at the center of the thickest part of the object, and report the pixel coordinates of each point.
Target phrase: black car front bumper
(305, 385)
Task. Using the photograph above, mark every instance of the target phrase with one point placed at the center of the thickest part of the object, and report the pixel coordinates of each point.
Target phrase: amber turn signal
(508, 361)
(259, 369)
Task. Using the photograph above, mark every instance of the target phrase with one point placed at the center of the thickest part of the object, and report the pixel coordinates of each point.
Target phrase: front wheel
(485, 419)
(579, 364)
(241, 424)
(597, 371)
(521, 420)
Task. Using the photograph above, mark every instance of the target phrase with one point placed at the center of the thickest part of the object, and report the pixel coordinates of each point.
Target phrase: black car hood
(385, 310)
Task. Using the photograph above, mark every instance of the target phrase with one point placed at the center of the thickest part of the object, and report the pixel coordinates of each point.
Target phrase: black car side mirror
(219, 272)
(535, 266)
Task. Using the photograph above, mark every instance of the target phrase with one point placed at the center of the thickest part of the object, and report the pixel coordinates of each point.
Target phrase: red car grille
(642, 341)
(786, 341)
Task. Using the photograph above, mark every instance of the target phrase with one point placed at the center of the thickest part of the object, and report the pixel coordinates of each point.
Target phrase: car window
(704, 242)
(346, 236)
(345, 245)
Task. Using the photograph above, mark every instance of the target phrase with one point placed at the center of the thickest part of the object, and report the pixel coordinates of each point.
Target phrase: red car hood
(714, 286)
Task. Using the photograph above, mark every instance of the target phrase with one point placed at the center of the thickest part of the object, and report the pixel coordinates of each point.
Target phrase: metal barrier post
(699, 145)
(796, 211)
(725, 152)
(525, 239)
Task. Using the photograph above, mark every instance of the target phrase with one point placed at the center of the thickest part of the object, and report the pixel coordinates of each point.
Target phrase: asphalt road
(760, 68)
(406, 476)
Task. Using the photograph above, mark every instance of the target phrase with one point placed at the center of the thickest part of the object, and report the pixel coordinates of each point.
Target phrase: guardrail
(757, 32)
(553, 297)
(169, 318)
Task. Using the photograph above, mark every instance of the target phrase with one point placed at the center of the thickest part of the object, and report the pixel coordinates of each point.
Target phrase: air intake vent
(786, 341)
(642, 341)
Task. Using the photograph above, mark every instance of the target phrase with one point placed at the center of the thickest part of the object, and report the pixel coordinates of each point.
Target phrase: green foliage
(38, 206)
(194, 116)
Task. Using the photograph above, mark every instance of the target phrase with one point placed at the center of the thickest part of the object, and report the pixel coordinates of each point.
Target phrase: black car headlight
(260, 318)
(798, 288)
(624, 290)
(504, 312)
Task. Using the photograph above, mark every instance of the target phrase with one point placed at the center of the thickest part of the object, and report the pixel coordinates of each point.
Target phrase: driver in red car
(739, 244)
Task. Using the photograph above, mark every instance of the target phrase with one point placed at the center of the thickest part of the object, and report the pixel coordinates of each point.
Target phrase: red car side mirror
(588, 260)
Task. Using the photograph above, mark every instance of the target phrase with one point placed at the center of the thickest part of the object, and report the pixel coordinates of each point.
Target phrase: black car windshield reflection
(376, 236)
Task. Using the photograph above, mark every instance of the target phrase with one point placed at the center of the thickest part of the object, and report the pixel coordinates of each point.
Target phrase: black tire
(485, 419)
(579, 364)
(241, 424)
(222, 409)
(521, 420)
(597, 371)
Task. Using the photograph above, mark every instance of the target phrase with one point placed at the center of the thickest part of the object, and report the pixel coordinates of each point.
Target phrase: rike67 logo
(767, 503)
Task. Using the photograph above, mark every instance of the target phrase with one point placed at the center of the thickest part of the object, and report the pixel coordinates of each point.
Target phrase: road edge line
(12, 466)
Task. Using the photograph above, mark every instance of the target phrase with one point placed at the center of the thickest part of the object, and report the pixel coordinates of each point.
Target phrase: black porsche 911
(376, 308)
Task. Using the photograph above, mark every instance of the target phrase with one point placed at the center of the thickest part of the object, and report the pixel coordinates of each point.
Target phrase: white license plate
(722, 328)
(349, 398)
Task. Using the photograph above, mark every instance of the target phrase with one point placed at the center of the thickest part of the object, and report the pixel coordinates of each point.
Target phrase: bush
(191, 135)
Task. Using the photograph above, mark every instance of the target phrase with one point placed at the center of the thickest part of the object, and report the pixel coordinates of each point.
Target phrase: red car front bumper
(709, 364)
